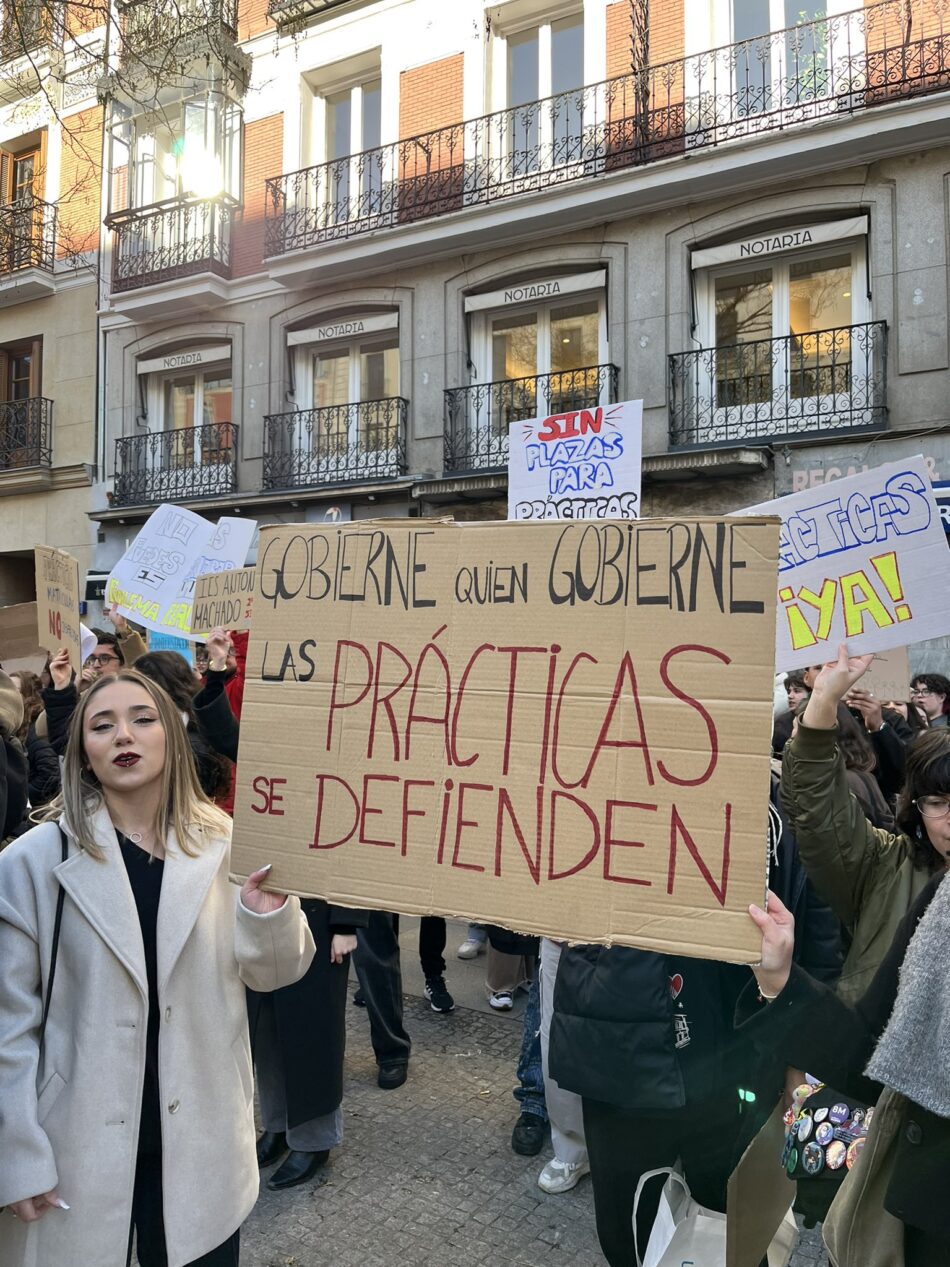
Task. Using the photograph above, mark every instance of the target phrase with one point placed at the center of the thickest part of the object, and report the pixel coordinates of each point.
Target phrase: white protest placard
(864, 561)
(584, 464)
(153, 582)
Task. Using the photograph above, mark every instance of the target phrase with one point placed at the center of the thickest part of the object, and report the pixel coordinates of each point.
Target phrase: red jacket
(234, 686)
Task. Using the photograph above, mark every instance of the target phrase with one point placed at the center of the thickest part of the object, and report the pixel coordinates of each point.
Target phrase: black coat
(219, 727)
(817, 1031)
(310, 1018)
(13, 787)
(617, 1031)
(60, 706)
(45, 778)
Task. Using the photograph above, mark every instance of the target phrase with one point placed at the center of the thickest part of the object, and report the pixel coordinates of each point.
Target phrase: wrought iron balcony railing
(338, 444)
(828, 68)
(297, 12)
(780, 389)
(26, 433)
(169, 240)
(25, 26)
(477, 417)
(171, 466)
(147, 25)
(27, 235)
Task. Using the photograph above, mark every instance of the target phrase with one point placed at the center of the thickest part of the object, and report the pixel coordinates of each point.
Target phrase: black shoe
(358, 999)
(529, 1134)
(298, 1168)
(392, 1076)
(271, 1146)
(438, 996)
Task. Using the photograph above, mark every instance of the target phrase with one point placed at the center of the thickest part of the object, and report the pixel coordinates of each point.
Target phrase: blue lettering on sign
(902, 508)
(578, 465)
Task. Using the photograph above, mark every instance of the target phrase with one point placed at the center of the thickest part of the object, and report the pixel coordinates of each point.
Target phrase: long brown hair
(31, 690)
(183, 806)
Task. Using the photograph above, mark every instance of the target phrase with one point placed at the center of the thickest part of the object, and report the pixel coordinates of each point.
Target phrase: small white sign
(584, 464)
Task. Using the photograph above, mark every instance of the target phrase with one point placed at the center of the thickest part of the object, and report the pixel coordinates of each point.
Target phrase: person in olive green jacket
(869, 877)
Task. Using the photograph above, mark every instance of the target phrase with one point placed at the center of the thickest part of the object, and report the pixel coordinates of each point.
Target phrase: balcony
(831, 68)
(27, 250)
(149, 25)
(26, 434)
(477, 417)
(294, 13)
(178, 465)
(166, 245)
(338, 444)
(771, 390)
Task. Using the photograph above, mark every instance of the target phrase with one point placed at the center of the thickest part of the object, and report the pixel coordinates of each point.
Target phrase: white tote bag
(683, 1231)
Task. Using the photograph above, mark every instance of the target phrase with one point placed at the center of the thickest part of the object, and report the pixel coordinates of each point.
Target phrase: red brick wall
(667, 34)
(430, 96)
(79, 183)
(252, 18)
(86, 15)
(263, 148)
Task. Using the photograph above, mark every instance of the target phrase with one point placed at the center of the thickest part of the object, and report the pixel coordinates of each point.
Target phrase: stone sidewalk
(426, 1174)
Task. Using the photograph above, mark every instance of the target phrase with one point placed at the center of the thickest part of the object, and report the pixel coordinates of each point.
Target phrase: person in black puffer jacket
(647, 1040)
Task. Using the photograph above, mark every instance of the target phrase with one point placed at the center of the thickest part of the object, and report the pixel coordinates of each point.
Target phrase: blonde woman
(130, 1115)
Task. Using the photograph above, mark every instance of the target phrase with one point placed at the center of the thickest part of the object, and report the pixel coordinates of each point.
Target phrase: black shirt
(145, 876)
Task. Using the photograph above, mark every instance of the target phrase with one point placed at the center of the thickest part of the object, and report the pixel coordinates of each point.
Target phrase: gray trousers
(565, 1108)
(315, 1136)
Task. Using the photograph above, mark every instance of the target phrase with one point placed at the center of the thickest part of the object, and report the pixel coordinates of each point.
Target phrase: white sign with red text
(581, 464)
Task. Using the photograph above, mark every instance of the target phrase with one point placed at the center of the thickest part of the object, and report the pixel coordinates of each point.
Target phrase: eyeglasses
(96, 660)
(933, 806)
(921, 690)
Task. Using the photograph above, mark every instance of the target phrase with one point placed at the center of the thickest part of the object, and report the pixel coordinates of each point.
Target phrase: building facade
(348, 242)
(50, 211)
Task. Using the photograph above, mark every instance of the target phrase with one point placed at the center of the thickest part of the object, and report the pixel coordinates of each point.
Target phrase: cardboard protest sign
(153, 582)
(223, 598)
(889, 676)
(864, 561)
(57, 602)
(18, 633)
(579, 465)
(563, 728)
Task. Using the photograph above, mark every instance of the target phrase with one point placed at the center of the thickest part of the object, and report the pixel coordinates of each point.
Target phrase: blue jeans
(530, 1091)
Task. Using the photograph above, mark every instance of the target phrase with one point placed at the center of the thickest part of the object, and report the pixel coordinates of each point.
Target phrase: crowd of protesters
(129, 1086)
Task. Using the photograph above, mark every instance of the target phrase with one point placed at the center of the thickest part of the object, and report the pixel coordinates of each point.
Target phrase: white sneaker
(470, 948)
(501, 1001)
(562, 1176)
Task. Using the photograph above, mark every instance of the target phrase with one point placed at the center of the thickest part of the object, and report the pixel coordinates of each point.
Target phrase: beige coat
(72, 1123)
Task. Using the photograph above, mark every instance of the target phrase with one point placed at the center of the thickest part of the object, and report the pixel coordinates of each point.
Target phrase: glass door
(544, 75)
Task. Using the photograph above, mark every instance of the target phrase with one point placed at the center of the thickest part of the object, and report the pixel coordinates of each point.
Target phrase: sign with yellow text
(57, 602)
(562, 728)
(864, 561)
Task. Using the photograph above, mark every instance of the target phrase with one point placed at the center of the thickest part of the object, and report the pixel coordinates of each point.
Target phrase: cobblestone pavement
(426, 1174)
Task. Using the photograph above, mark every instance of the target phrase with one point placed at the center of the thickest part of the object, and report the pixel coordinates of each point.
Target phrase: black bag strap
(57, 923)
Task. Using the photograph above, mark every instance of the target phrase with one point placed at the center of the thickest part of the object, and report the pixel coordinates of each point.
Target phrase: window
(789, 338)
(195, 405)
(543, 359)
(770, 72)
(353, 124)
(21, 189)
(539, 71)
(191, 149)
(21, 412)
(351, 387)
